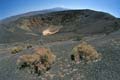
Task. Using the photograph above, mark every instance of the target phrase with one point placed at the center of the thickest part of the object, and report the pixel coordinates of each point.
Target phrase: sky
(14, 7)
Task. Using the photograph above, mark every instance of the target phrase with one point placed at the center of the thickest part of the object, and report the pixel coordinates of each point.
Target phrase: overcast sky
(14, 7)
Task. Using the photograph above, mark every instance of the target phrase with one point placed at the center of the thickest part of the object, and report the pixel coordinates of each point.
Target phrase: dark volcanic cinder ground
(99, 29)
(64, 69)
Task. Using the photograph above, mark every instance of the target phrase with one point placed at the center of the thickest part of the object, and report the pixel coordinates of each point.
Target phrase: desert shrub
(78, 37)
(29, 46)
(16, 50)
(85, 52)
(39, 62)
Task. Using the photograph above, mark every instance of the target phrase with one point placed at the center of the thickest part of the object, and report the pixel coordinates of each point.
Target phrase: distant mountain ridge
(12, 18)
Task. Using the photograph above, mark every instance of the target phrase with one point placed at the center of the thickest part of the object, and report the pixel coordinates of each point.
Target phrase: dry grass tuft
(39, 62)
(15, 50)
(29, 46)
(85, 52)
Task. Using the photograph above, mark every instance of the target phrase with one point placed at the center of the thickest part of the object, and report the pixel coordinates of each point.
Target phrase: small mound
(85, 52)
(39, 62)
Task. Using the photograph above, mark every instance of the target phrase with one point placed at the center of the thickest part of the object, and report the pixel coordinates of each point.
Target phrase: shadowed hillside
(74, 22)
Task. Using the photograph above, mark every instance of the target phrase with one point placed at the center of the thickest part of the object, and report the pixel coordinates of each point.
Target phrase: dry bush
(29, 46)
(45, 52)
(15, 50)
(39, 62)
(85, 52)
